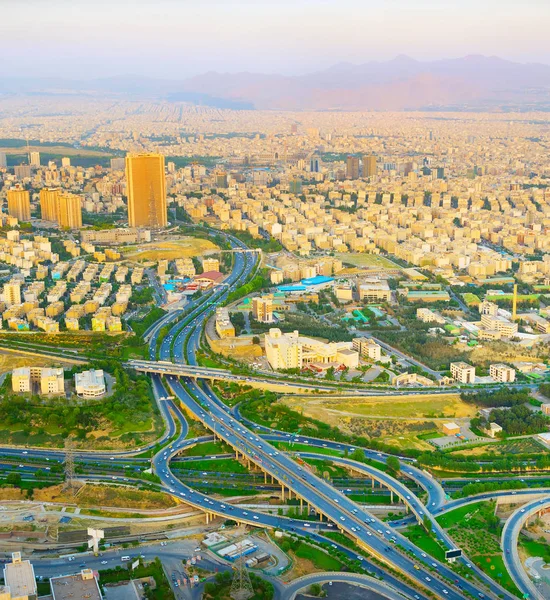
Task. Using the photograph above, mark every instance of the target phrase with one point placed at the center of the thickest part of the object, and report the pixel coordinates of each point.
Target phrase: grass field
(534, 548)
(429, 406)
(471, 299)
(207, 449)
(220, 465)
(319, 558)
(418, 535)
(185, 248)
(367, 260)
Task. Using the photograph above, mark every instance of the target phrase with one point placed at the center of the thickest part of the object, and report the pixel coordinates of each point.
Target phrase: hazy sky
(82, 39)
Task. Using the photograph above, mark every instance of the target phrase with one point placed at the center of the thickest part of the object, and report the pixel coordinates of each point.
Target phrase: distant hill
(472, 82)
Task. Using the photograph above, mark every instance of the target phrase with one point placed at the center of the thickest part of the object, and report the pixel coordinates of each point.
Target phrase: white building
(90, 384)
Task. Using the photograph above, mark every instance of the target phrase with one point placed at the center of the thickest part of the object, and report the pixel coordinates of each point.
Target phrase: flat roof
(75, 586)
(19, 577)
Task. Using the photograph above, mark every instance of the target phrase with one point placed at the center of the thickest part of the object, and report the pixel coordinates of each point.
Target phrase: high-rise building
(117, 164)
(352, 167)
(146, 188)
(19, 204)
(295, 186)
(369, 166)
(314, 164)
(48, 203)
(221, 180)
(65, 162)
(12, 293)
(69, 211)
(262, 309)
(3, 160)
(22, 171)
(34, 159)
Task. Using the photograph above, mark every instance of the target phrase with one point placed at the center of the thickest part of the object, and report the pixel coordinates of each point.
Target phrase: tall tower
(69, 211)
(48, 203)
(352, 167)
(241, 587)
(146, 189)
(70, 483)
(515, 303)
(19, 204)
(369, 166)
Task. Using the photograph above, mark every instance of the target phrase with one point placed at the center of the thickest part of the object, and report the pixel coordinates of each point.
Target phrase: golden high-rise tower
(48, 203)
(19, 204)
(69, 211)
(369, 166)
(146, 189)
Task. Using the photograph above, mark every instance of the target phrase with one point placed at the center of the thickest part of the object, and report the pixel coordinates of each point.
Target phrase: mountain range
(469, 83)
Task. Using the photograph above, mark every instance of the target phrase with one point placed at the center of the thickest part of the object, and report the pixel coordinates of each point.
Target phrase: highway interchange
(379, 539)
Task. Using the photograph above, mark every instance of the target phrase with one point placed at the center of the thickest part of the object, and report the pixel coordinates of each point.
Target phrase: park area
(476, 529)
(187, 247)
(408, 422)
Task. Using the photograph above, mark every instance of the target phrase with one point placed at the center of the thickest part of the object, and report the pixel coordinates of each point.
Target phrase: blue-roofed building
(292, 288)
(318, 280)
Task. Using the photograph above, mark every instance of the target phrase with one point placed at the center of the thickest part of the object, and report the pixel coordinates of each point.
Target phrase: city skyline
(186, 39)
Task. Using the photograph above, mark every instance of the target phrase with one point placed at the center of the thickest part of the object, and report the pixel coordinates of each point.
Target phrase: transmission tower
(70, 483)
(241, 588)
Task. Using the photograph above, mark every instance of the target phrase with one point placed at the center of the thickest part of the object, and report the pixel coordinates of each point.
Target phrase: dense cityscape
(255, 351)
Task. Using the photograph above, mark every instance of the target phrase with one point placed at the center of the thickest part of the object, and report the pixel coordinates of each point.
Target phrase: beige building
(49, 381)
(427, 315)
(463, 372)
(19, 578)
(505, 327)
(224, 327)
(502, 373)
(19, 204)
(210, 264)
(262, 309)
(367, 348)
(375, 291)
(82, 585)
(451, 428)
(12, 293)
(146, 188)
(293, 351)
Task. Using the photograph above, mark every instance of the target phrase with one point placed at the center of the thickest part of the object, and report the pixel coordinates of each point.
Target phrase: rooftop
(82, 585)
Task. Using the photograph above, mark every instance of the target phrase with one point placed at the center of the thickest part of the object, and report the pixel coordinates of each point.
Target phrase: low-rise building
(374, 291)
(90, 384)
(451, 428)
(81, 585)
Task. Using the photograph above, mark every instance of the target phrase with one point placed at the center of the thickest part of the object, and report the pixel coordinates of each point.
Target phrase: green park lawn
(318, 557)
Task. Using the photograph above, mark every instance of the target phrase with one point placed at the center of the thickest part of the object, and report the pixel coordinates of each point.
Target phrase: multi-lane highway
(378, 538)
(367, 530)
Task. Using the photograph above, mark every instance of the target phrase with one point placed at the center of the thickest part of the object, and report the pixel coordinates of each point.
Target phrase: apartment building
(262, 309)
(367, 348)
(502, 373)
(463, 372)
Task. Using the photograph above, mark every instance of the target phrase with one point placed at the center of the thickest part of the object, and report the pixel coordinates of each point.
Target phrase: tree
(256, 340)
(13, 479)
(393, 464)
